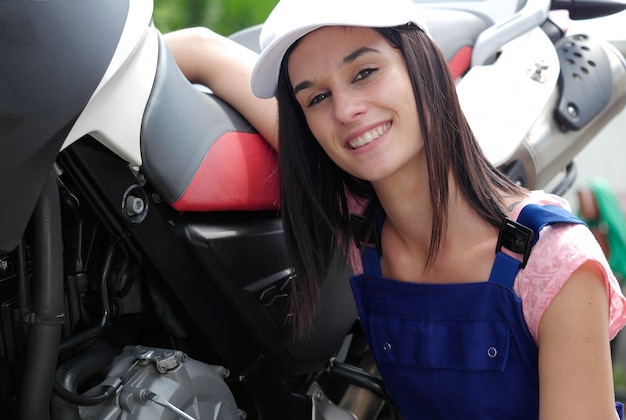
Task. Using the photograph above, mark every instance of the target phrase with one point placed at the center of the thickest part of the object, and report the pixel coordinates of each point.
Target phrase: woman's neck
(407, 233)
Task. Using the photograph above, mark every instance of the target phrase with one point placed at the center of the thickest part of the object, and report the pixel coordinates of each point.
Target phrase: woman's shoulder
(560, 251)
(539, 197)
(562, 246)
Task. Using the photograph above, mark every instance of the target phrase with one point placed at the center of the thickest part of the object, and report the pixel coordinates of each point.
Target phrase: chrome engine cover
(155, 383)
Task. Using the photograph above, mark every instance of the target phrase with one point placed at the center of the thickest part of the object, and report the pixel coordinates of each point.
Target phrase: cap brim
(264, 77)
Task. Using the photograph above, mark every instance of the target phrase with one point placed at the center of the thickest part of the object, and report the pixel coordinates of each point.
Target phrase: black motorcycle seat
(199, 153)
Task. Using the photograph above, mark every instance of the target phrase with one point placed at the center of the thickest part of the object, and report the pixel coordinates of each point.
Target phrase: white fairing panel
(503, 100)
(491, 11)
(114, 113)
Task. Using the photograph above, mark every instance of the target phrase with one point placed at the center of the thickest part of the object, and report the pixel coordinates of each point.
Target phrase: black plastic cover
(53, 55)
(244, 255)
(589, 9)
(585, 82)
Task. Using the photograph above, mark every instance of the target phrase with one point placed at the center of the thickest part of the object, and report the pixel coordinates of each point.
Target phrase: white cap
(292, 19)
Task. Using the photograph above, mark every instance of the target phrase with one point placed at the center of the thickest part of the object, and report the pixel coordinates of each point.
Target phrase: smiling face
(356, 95)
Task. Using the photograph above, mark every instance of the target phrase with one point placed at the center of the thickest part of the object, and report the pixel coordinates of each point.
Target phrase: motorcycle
(142, 270)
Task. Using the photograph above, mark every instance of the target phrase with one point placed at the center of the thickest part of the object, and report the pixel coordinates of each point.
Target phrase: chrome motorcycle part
(548, 148)
(323, 408)
(163, 359)
(157, 399)
(157, 381)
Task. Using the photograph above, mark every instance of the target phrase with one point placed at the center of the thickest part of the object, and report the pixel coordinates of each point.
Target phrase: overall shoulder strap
(366, 234)
(537, 217)
(520, 236)
(370, 258)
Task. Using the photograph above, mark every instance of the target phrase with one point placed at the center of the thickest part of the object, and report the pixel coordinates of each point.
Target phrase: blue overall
(455, 351)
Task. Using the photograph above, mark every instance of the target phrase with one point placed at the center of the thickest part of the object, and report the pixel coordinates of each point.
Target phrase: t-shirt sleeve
(560, 251)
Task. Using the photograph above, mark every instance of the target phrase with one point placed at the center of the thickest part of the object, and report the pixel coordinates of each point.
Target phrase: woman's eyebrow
(357, 53)
(346, 60)
(301, 86)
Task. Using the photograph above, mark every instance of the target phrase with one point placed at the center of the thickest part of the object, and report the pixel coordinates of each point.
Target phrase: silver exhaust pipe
(550, 147)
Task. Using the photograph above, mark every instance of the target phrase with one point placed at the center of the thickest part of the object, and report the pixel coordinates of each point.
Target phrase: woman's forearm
(224, 66)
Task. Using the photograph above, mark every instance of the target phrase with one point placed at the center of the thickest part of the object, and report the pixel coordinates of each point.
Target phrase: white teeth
(369, 137)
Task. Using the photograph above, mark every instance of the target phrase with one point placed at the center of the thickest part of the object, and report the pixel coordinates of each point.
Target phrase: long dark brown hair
(315, 192)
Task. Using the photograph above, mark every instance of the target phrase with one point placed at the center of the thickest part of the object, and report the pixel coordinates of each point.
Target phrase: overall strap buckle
(516, 238)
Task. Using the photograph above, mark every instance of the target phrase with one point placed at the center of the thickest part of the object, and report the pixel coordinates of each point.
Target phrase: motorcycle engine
(164, 384)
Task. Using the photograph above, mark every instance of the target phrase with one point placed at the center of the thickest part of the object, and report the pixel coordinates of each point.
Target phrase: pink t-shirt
(560, 251)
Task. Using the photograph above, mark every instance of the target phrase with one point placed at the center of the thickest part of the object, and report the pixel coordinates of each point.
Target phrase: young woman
(369, 122)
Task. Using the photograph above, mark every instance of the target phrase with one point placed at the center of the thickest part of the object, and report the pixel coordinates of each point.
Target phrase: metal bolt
(4, 267)
(223, 372)
(319, 395)
(134, 205)
(537, 75)
(29, 318)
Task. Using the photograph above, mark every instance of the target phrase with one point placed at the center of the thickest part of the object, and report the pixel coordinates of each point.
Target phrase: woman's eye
(365, 73)
(319, 98)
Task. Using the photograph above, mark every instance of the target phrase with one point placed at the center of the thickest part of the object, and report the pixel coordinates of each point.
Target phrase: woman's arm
(224, 66)
(575, 372)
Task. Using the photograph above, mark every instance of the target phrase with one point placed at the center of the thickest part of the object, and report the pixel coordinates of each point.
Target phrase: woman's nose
(348, 105)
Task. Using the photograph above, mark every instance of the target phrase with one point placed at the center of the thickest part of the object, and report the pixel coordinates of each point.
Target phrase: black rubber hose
(75, 371)
(47, 310)
(92, 332)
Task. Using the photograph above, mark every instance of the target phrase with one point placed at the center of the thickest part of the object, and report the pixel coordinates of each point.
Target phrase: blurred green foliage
(222, 16)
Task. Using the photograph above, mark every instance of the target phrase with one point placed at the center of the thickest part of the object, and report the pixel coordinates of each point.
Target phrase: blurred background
(222, 16)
